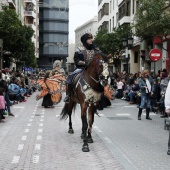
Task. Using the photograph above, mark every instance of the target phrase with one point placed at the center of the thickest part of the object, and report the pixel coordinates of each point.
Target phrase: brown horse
(87, 91)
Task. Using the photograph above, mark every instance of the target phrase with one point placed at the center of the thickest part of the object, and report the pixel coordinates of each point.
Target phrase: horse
(87, 91)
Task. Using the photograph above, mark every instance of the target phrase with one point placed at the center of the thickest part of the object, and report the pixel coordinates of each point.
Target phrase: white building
(90, 26)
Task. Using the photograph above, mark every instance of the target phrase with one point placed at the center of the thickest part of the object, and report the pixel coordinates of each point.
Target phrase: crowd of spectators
(15, 87)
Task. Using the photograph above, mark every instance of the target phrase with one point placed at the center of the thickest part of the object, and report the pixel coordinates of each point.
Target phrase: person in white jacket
(167, 106)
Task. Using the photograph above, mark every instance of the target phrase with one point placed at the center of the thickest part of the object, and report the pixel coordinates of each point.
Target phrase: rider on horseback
(82, 57)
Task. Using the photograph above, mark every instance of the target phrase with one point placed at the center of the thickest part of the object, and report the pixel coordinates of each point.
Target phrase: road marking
(128, 106)
(99, 114)
(20, 147)
(29, 124)
(43, 110)
(31, 120)
(35, 159)
(18, 107)
(27, 130)
(107, 140)
(153, 114)
(123, 114)
(42, 116)
(41, 120)
(35, 110)
(40, 130)
(41, 124)
(24, 138)
(95, 127)
(57, 115)
(42, 113)
(33, 113)
(37, 146)
(39, 137)
(15, 159)
(32, 116)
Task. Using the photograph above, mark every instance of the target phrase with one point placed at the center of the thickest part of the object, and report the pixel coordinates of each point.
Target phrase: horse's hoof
(89, 140)
(82, 136)
(85, 148)
(71, 131)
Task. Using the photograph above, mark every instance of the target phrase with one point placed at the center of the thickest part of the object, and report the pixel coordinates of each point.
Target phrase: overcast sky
(80, 11)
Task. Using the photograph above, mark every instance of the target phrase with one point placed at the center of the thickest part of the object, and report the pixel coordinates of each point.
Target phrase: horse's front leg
(85, 147)
(90, 123)
(70, 130)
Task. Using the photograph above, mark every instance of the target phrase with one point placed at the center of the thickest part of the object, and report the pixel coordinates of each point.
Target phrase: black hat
(85, 37)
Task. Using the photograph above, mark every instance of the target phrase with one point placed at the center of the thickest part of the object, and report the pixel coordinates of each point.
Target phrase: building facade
(53, 32)
(112, 13)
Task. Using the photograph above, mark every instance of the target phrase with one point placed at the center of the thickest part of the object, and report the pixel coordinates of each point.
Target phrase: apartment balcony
(32, 26)
(12, 4)
(30, 14)
(30, 1)
(104, 18)
(125, 20)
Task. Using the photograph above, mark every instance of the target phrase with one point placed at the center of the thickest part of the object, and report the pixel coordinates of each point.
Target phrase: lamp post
(127, 44)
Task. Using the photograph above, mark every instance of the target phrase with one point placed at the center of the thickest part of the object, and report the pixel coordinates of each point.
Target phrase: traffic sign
(155, 54)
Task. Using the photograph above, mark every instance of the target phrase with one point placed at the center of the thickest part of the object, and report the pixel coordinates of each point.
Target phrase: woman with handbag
(146, 90)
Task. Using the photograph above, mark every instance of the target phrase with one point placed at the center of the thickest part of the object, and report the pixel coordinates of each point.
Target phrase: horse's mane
(104, 56)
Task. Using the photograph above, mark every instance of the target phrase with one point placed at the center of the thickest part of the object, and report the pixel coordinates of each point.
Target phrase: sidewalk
(37, 140)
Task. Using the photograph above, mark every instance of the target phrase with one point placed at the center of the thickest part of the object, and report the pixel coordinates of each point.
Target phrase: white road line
(35, 110)
(107, 140)
(153, 114)
(18, 107)
(129, 106)
(24, 138)
(99, 114)
(41, 120)
(40, 130)
(123, 114)
(29, 124)
(42, 113)
(20, 147)
(37, 146)
(32, 116)
(33, 113)
(41, 124)
(15, 159)
(39, 137)
(57, 115)
(95, 127)
(26, 130)
(43, 110)
(35, 159)
(31, 120)
(42, 116)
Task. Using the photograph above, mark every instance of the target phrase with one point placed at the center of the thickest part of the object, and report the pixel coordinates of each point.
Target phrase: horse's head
(99, 65)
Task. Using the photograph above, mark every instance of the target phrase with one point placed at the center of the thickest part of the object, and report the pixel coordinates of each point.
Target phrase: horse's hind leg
(70, 108)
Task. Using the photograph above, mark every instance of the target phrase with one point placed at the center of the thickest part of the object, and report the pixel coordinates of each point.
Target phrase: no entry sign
(155, 54)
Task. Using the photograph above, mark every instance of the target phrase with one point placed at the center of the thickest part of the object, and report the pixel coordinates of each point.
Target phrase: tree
(152, 19)
(16, 37)
(112, 42)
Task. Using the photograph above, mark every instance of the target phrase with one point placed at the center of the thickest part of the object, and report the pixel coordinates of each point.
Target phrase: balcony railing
(30, 1)
(30, 14)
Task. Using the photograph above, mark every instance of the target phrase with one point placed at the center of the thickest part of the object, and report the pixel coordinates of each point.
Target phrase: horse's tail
(65, 112)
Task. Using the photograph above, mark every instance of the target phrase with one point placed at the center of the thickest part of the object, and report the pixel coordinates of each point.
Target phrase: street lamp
(127, 43)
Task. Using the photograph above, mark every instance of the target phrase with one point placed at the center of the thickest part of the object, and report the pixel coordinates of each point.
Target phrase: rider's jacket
(83, 56)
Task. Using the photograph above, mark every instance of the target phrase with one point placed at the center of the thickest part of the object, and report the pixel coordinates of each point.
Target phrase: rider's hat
(85, 37)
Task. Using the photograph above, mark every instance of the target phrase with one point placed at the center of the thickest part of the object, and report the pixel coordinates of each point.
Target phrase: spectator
(146, 89)
(120, 88)
(133, 92)
(2, 103)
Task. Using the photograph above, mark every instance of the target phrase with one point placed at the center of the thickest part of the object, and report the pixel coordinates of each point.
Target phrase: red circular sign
(155, 54)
